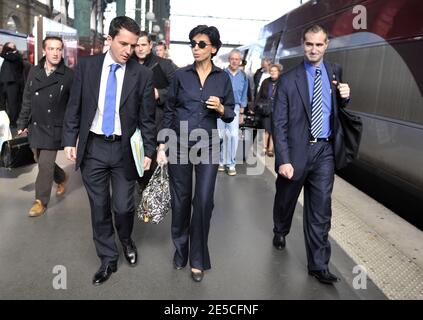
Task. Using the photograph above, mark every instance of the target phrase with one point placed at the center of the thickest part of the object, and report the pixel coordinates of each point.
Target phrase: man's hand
(241, 118)
(21, 131)
(286, 170)
(147, 163)
(70, 153)
(344, 89)
(156, 94)
(241, 115)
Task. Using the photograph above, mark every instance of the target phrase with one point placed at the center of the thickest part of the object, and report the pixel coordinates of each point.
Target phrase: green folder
(137, 148)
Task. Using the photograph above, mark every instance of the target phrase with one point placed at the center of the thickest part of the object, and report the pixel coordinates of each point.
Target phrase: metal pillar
(138, 11)
(82, 24)
(120, 7)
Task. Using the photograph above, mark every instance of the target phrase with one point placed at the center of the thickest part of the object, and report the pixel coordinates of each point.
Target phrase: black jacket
(44, 104)
(256, 79)
(163, 73)
(263, 94)
(151, 61)
(136, 109)
(12, 69)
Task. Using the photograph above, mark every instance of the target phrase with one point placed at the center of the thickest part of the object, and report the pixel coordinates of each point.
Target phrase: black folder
(159, 77)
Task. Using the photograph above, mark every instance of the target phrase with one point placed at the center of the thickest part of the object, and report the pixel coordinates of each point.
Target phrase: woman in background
(265, 96)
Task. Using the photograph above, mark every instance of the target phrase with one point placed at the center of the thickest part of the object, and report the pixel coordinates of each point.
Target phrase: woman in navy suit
(199, 94)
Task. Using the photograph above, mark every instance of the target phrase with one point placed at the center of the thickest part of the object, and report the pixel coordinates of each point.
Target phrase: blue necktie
(317, 105)
(108, 125)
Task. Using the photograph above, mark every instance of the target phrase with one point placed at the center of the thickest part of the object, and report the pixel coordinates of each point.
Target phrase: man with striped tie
(307, 142)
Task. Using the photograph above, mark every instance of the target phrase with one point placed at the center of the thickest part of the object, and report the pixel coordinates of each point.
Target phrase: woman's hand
(161, 155)
(214, 104)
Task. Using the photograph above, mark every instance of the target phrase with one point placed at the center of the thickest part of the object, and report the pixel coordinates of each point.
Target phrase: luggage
(16, 153)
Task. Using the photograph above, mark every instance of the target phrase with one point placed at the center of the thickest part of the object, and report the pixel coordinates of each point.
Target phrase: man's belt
(110, 138)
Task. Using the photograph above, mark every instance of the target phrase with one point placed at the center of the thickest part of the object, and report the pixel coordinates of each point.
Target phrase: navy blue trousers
(103, 166)
(190, 229)
(317, 181)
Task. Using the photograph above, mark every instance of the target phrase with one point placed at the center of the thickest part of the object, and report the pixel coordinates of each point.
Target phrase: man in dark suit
(111, 96)
(308, 137)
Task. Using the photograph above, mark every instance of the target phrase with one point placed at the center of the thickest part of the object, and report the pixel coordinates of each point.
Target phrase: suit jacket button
(35, 123)
(48, 110)
(51, 96)
(36, 93)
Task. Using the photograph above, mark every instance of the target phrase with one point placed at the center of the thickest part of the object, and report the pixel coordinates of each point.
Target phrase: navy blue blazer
(292, 118)
(137, 108)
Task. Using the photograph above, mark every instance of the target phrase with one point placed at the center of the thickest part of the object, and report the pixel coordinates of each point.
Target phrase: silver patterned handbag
(155, 199)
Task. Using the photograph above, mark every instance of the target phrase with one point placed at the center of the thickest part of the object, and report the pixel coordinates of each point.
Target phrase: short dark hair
(161, 43)
(315, 28)
(6, 48)
(51, 38)
(211, 32)
(145, 34)
(123, 22)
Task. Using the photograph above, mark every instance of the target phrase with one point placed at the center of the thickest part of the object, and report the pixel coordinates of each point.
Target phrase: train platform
(245, 265)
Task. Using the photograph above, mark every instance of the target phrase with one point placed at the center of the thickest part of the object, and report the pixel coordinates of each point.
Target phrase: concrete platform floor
(244, 263)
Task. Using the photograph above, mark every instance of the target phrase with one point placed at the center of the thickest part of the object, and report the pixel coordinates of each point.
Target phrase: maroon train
(379, 43)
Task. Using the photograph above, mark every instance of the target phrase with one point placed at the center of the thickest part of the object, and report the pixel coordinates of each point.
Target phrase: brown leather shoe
(37, 209)
(61, 186)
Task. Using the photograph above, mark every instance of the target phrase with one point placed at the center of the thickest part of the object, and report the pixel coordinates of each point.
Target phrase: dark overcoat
(44, 104)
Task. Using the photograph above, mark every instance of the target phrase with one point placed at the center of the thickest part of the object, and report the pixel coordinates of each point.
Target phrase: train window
(19, 39)
(271, 46)
(382, 83)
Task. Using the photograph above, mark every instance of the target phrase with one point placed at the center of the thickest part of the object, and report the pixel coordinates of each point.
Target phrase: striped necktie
(316, 105)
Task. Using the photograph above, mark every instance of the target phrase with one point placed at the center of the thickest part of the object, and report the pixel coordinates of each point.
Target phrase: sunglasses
(201, 44)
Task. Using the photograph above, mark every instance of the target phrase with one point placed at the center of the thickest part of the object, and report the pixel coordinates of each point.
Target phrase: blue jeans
(228, 133)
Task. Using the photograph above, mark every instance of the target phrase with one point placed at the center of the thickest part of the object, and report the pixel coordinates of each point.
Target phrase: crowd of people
(92, 111)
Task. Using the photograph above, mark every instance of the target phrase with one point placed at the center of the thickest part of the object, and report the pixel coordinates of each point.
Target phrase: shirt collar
(214, 68)
(229, 71)
(311, 68)
(47, 70)
(108, 61)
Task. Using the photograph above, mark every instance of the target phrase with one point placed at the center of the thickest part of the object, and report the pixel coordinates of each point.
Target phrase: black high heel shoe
(197, 276)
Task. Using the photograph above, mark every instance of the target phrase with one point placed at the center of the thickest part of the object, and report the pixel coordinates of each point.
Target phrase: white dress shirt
(264, 76)
(98, 119)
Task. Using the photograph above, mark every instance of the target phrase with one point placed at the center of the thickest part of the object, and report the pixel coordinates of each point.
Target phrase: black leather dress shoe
(279, 242)
(324, 276)
(131, 254)
(103, 274)
(197, 276)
